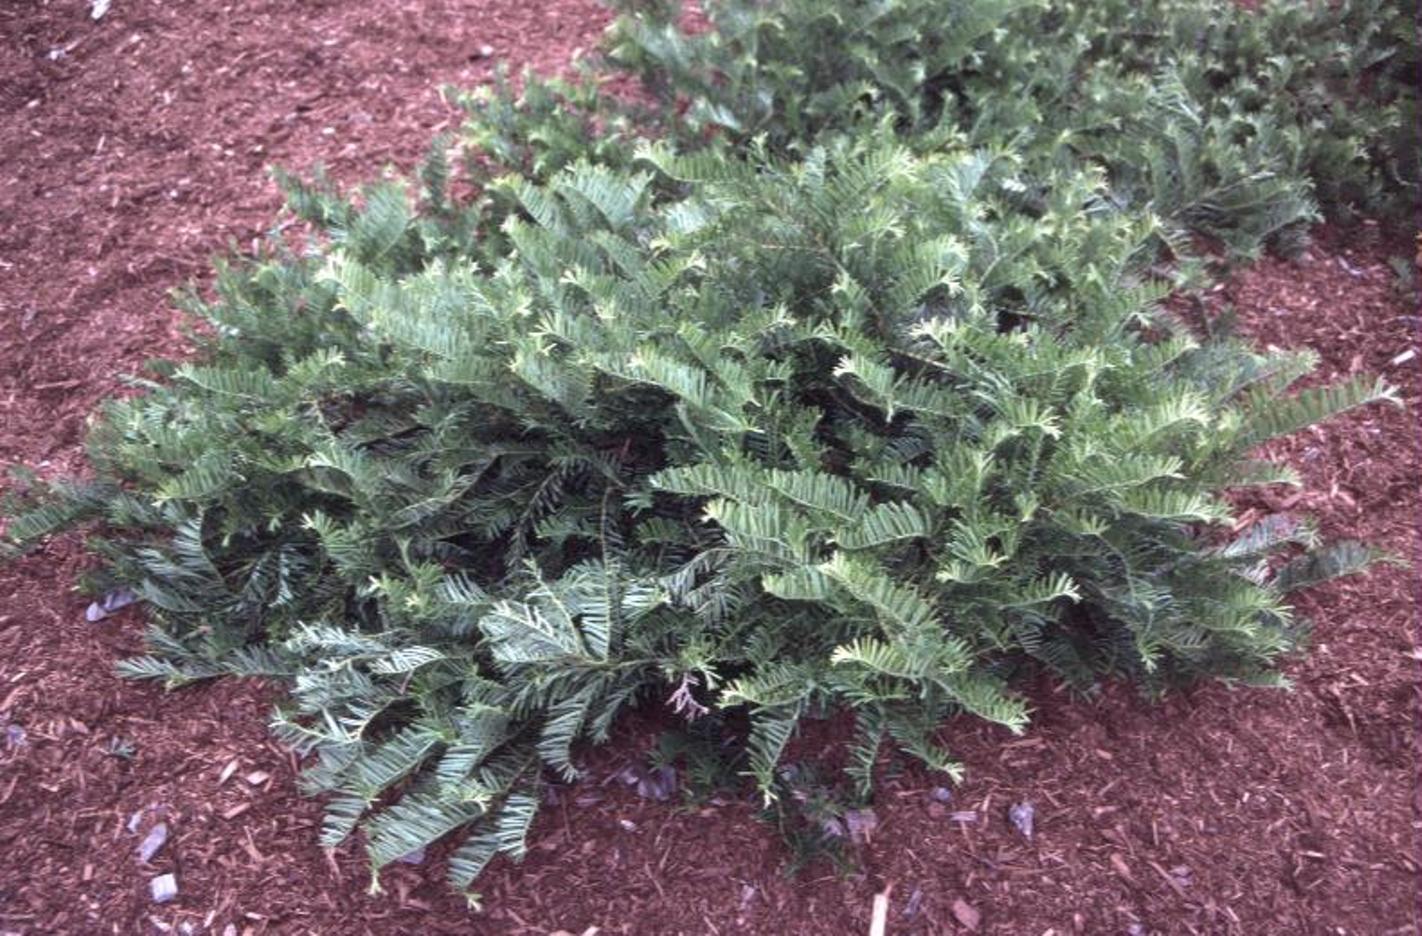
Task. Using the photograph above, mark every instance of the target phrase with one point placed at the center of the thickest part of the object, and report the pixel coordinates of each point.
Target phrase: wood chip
(235, 811)
(1168, 878)
(250, 847)
(1118, 861)
(966, 914)
(879, 915)
(227, 772)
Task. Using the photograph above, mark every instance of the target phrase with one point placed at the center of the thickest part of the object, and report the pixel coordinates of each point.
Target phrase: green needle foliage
(1224, 117)
(839, 379)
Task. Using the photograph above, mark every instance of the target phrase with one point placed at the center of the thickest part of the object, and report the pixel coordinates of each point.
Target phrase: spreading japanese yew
(837, 378)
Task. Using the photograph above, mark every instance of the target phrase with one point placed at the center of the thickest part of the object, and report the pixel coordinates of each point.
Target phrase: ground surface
(134, 148)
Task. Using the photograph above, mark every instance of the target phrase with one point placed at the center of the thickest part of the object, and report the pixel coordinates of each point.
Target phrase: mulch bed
(135, 148)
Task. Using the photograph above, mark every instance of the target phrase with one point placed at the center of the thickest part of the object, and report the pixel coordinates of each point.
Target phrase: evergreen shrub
(837, 377)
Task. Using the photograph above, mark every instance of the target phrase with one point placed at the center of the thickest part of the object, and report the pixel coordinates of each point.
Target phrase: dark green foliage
(795, 69)
(1217, 116)
(810, 815)
(706, 755)
(851, 392)
(549, 124)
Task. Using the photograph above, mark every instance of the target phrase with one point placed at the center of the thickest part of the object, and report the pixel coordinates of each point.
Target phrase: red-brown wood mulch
(135, 147)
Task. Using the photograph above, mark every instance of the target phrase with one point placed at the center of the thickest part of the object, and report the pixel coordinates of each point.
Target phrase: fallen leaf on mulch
(861, 824)
(153, 842)
(108, 604)
(1022, 816)
(163, 888)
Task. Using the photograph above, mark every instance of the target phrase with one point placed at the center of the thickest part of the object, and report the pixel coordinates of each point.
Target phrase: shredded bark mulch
(135, 148)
